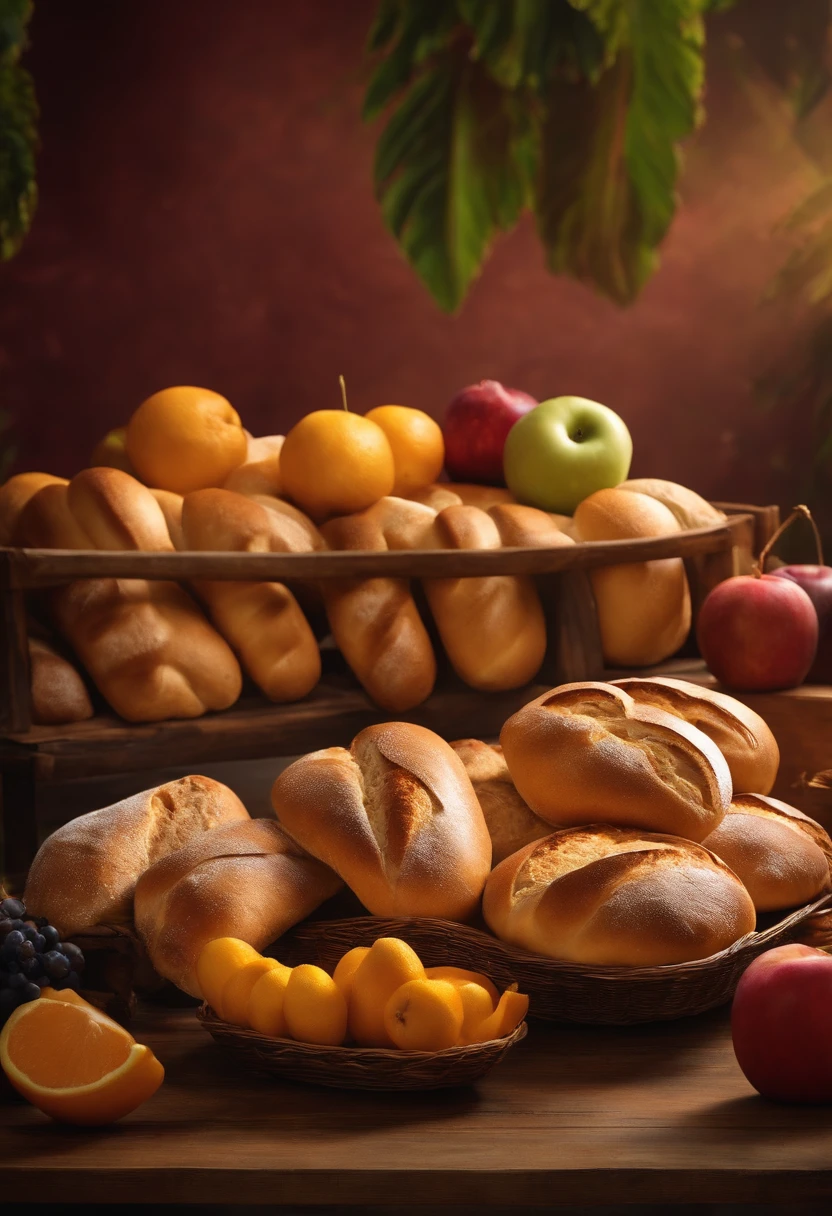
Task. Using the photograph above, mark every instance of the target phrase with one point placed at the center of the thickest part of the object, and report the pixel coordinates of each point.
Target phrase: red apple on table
(758, 634)
(816, 581)
(780, 1023)
(475, 428)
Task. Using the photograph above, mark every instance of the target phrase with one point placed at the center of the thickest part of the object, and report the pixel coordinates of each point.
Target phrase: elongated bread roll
(85, 873)
(743, 737)
(395, 816)
(147, 647)
(263, 622)
(59, 693)
(14, 495)
(644, 608)
(246, 880)
(527, 526)
(781, 855)
(588, 753)
(613, 896)
(688, 508)
(511, 823)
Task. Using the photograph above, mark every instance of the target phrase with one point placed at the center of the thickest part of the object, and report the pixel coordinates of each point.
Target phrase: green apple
(564, 450)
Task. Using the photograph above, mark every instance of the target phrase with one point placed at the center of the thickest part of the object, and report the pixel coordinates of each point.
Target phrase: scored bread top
(587, 753)
(783, 857)
(743, 737)
(216, 519)
(14, 495)
(511, 823)
(395, 816)
(527, 526)
(688, 507)
(615, 896)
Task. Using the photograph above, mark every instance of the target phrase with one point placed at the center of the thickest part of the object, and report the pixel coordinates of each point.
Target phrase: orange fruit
(476, 1006)
(314, 1009)
(389, 963)
(425, 1015)
(265, 1004)
(512, 1007)
(111, 452)
(236, 992)
(336, 463)
(217, 962)
(461, 976)
(185, 439)
(417, 444)
(344, 973)
(74, 1063)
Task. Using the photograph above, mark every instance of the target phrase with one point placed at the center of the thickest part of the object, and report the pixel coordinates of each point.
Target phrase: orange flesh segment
(58, 1046)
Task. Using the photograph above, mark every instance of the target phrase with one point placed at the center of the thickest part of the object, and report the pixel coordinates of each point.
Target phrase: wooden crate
(254, 728)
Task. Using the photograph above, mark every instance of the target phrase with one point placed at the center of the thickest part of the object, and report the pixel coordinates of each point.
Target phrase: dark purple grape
(40, 921)
(12, 966)
(12, 942)
(74, 954)
(31, 968)
(43, 981)
(19, 924)
(30, 933)
(17, 980)
(12, 907)
(6, 927)
(25, 951)
(9, 1001)
(55, 964)
(72, 981)
(51, 937)
(30, 992)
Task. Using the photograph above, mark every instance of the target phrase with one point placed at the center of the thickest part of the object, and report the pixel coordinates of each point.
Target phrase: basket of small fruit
(381, 1021)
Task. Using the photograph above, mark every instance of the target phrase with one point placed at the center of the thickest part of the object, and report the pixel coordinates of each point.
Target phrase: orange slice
(74, 1063)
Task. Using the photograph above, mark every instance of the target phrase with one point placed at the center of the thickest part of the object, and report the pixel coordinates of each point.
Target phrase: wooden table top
(574, 1115)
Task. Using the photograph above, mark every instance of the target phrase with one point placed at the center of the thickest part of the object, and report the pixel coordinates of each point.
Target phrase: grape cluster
(32, 957)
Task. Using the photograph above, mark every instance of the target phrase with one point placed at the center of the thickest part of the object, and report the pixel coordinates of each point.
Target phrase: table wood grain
(574, 1115)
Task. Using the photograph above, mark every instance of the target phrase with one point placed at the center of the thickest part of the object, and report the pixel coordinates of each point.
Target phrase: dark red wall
(207, 216)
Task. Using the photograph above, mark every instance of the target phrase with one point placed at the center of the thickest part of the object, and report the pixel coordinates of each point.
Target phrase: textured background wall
(207, 216)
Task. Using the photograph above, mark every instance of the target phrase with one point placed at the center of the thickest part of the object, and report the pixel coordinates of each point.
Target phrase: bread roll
(781, 855)
(14, 495)
(588, 753)
(85, 873)
(688, 508)
(171, 507)
(611, 896)
(395, 816)
(526, 526)
(644, 609)
(59, 693)
(260, 471)
(246, 880)
(743, 737)
(511, 824)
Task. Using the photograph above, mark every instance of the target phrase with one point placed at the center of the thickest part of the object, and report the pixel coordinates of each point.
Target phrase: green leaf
(425, 27)
(18, 130)
(385, 24)
(453, 167)
(14, 18)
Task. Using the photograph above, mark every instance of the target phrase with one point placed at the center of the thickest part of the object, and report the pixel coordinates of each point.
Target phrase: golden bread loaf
(453, 493)
(644, 608)
(171, 507)
(59, 693)
(588, 753)
(781, 855)
(612, 896)
(85, 873)
(511, 823)
(396, 816)
(743, 737)
(260, 471)
(14, 495)
(688, 508)
(247, 880)
(527, 526)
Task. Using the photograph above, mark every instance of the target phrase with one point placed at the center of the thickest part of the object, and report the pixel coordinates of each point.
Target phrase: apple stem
(799, 512)
(342, 382)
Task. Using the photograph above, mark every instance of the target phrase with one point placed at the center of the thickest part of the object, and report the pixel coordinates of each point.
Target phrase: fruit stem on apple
(342, 382)
(799, 512)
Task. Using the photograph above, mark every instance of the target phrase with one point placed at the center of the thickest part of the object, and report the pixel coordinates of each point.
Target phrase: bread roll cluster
(155, 650)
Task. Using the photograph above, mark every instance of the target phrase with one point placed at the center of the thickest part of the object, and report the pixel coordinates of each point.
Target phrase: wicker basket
(359, 1067)
(558, 991)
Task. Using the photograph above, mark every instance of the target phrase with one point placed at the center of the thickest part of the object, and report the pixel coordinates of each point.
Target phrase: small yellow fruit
(237, 992)
(265, 1004)
(389, 963)
(314, 1009)
(217, 962)
(185, 439)
(459, 974)
(512, 1007)
(336, 463)
(417, 445)
(344, 973)
(476, 1006)
(424, 1015)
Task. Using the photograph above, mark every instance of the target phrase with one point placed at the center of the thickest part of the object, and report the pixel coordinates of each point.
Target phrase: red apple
(816, 581)
(758, 634)
(476, 425)
(780, 1024)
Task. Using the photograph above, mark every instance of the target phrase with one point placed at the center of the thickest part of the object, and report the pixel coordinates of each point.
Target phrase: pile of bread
(609, 817)
(157, 650)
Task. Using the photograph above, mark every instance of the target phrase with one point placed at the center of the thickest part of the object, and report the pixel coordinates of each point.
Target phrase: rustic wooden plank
(765, 520)
(30, 568)
(15, 696)
(578, 653)
(653, 1114)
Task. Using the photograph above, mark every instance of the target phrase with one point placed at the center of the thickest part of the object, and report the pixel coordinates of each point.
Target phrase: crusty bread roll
(146, 646)
(443, 494)
(527, 526)
(260, 471)
(614, 896)
(171, 507)
(644, 608)
(14, 495)
(85, 873)
(395, 816)
(588, 753)
(59, 693)
(263, 622)
(511, 823)
(246, 880)
(689, 509)
(781, 855)
(743, 737)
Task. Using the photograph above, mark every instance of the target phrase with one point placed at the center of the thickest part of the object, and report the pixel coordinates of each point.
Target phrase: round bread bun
(690, 509)
(588, 753)
(781, 855)
(615, 897)
(511, 823)
(743, 737)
